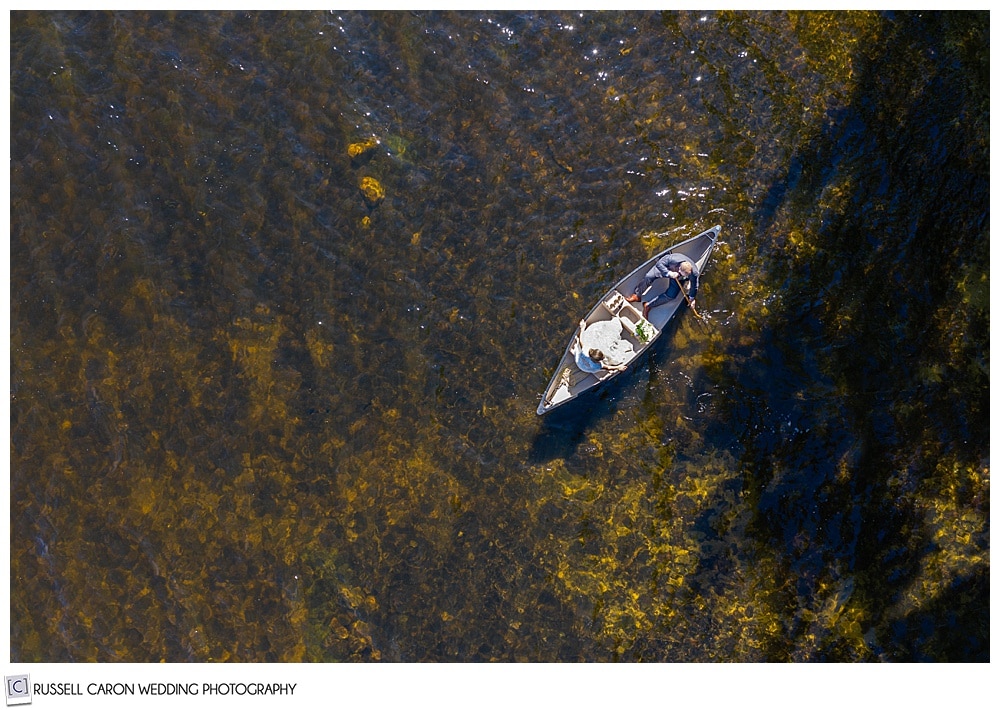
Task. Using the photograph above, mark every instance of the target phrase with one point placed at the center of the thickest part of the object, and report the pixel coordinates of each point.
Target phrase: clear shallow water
(261, 413)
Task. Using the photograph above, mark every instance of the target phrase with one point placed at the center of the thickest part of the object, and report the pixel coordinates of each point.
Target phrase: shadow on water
(868, 433)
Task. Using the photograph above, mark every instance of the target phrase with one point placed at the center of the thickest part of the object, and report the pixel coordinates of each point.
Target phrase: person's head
(596, 355)
(685, 268)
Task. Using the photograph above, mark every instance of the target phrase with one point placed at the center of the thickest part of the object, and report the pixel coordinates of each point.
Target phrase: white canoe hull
(569, 382)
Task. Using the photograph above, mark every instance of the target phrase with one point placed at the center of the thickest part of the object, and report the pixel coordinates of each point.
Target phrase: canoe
(569, 381)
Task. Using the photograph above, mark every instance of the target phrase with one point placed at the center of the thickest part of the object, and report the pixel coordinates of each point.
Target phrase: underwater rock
(372, 190)
(360, 153)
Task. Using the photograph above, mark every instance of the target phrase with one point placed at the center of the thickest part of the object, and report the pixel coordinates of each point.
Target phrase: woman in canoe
(604, 348)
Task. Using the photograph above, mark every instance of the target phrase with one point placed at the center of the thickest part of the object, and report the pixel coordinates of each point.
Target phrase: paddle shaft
(688, 299)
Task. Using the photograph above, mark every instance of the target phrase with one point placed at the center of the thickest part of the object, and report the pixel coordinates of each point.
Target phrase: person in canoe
(600, 346)
(680, 269)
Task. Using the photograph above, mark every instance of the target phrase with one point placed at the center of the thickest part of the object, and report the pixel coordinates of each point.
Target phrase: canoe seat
(615, 303)
(632, 320)
(630, 316)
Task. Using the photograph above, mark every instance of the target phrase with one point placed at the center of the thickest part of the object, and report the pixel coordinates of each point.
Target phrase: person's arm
(578, 337)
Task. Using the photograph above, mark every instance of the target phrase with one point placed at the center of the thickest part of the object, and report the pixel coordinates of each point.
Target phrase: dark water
(286, 289)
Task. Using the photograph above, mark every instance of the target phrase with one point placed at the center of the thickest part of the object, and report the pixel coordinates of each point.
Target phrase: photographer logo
(18, 689)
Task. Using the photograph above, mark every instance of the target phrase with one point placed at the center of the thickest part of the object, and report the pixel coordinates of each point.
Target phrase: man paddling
(679, 269)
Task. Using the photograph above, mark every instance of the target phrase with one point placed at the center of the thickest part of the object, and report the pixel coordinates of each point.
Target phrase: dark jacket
(668, 263)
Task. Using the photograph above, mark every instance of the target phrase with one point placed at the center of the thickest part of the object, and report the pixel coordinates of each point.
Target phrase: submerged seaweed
(286, 288)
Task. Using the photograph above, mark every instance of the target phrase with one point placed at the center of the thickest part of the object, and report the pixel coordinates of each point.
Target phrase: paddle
(688, 299)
